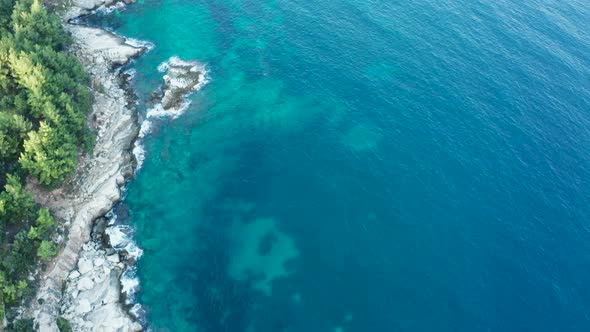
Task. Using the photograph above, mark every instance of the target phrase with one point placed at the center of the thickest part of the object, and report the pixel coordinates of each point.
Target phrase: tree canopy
(44, 103)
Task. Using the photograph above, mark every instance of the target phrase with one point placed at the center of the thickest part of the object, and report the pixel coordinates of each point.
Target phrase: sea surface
(365, 165)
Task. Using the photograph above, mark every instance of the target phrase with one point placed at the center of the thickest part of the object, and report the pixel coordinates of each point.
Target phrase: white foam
(138, 150)
(107, 9)
(112, 218)
(129, 285)
(120, 238)
(132, 72)
(174, 112)
(138, 312)
(163, 67)
(140, 43)
(139, 153)
(158, 111)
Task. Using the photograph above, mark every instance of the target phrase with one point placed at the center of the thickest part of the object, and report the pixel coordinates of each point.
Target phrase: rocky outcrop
(99, 46)
(181, 78)
(91, 194)
(71, 9)
(92, 293)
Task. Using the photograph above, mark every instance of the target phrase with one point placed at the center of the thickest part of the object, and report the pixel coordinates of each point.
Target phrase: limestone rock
(99, 261)
(114, 258)
(74, 274)
(103, 44)
(84, 266)
(181, 78)
(83, 307)
(136, 327)
(91, 302)
(85, 283)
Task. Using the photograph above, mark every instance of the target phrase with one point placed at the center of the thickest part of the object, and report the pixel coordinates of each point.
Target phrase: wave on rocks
(121, 240)
(107, 9)
(181, 79)
(139, 43)
(177, 81)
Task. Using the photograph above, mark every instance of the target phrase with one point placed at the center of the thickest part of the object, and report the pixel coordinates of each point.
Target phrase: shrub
(64, 325)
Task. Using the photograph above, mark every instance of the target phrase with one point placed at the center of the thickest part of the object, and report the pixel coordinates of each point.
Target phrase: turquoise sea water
(361, 165)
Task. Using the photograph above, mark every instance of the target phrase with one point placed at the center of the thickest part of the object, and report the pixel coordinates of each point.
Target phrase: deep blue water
(359, 165)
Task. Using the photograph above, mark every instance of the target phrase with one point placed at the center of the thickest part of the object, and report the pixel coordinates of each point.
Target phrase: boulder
(181, 78)
(99, 261)
(84, 266)
(85, 283)
(74, 275)
(83, 307)
(114, 258)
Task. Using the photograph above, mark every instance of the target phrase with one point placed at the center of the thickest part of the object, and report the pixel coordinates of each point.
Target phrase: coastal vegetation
(44, 104)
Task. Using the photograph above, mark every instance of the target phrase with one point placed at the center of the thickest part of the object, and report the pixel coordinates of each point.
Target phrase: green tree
(44, 226)
(16, 204)
(13, 130)
(11, 292)
(47, 250)
(2, 305)
(45, 222)
(21, 325)
(64, 325)
(32, 26)
(30, 77)
(21, 257)
(49, 154)
(44, 103)
(5, 11)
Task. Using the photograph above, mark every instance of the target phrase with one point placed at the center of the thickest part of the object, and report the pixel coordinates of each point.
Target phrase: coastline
(82, 283)
(86, 283)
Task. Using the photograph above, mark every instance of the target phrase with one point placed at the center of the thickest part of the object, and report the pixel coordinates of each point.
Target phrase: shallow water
(358, 165)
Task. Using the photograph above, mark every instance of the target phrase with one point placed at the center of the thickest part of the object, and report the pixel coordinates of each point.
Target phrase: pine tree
(16, 204)
(47, 250)
(49, 154)
(32, 26)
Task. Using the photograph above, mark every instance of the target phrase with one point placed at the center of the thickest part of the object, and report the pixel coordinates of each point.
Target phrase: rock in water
(182, 77)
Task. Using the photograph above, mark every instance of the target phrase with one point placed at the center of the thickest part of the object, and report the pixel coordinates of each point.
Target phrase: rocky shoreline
(83, 284)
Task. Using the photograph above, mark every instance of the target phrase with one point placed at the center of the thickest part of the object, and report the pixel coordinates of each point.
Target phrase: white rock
(136, 327)
(84, 266)
(88, 4)
(99, 261)
(100, 277)
(85, 283)
(84, 306)
(114, 258)
(74, 275)
(104, 44)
